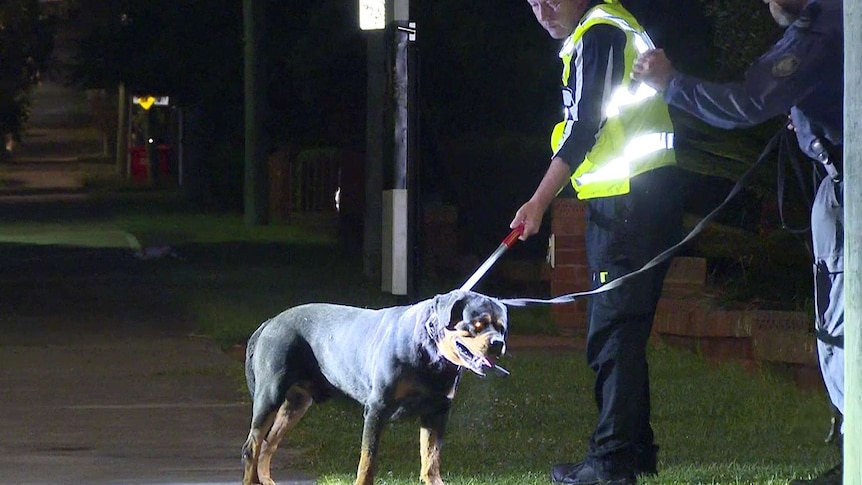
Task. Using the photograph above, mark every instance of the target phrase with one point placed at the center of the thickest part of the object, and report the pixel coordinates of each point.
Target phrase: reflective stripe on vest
(636, 135)
(620, 167)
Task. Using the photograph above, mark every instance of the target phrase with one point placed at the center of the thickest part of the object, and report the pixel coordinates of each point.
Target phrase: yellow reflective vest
(636, 134)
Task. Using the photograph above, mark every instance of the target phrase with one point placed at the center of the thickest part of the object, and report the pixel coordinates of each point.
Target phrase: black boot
(583, 474)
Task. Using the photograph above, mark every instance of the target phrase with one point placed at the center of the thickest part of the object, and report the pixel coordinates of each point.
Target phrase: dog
(397, 361)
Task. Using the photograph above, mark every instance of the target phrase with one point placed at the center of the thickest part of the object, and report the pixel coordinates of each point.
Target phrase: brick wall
(569, 271)
(688, 316)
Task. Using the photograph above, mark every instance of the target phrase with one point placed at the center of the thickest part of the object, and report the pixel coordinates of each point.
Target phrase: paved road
(119, 411)
(99, 390)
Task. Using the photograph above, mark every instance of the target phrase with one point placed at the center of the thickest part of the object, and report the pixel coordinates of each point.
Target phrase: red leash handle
(513, 236)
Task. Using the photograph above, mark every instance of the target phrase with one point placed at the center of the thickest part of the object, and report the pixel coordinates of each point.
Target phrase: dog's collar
(433, 328)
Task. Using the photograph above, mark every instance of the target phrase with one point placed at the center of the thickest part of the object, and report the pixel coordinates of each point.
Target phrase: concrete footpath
(128, 411)
(102, 382)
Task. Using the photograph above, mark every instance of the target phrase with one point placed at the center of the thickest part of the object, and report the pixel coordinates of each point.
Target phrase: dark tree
(317, 70)
(25, 44)
(190, 51)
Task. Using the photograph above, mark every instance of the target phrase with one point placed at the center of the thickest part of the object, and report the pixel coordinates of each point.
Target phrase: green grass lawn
(715, 424)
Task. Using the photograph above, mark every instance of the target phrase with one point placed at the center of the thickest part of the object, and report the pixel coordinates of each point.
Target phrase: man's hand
(530, 215)
(654, 69)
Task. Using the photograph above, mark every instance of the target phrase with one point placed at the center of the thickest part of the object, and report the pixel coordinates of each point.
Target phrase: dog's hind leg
(251, 448)
(295, 405)
(265, 405)
(432, 428)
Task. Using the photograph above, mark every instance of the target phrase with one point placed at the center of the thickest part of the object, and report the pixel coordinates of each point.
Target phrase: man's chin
(557, 32)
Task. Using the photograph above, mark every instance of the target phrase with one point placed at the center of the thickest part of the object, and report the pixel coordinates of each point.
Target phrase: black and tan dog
(395, 361)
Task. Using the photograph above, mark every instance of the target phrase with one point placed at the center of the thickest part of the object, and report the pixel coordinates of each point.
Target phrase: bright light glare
(372, 14)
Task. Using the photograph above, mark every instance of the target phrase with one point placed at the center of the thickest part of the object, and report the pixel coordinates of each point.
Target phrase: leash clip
(823, 157)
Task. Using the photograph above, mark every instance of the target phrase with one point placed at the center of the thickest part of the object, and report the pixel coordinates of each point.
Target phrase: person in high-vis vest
(615, 147)
(801, 75)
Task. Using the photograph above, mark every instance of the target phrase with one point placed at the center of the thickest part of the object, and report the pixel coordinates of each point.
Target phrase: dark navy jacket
(802, 74)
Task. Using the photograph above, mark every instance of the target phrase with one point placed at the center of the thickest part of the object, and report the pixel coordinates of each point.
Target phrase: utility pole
(375, 121)
(852, 242)
(399, 174)
(122, 131)
(391, 145)
(255, 189)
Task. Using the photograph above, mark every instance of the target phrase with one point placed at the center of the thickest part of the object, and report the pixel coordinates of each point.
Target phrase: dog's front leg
(374, 421)
(432, 428)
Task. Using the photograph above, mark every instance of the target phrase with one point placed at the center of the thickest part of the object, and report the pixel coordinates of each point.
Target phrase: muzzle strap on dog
(456, 351)
(664, 255)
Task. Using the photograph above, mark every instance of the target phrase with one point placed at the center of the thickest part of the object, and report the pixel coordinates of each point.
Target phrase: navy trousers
(623, 233)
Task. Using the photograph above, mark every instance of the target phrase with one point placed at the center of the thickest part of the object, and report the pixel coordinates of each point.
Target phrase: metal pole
(128, 171)
(852, 241)
(180, 148)
(399, 191)
(255, 187)
(122, 130)
(375, 122)
(400, 152)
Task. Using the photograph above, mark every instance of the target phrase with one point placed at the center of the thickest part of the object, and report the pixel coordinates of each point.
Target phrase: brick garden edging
(778, 340)
(687, 316)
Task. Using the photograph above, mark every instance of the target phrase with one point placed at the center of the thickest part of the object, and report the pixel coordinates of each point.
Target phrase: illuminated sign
(372, 14)
(147, 102)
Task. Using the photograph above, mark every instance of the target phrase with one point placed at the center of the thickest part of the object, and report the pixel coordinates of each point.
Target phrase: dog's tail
(249, 354)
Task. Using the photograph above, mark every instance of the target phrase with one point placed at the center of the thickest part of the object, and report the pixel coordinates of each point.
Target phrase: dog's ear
(449, 308)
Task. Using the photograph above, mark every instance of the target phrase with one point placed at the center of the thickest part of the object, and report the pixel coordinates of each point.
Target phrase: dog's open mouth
(476, 362)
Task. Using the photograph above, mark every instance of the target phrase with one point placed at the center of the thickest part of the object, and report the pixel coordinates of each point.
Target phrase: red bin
(139, 166)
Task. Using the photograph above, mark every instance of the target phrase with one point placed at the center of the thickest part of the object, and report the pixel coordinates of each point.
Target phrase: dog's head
(470, 329)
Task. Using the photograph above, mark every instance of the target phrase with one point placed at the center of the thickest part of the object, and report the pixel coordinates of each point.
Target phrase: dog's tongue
(492, 364)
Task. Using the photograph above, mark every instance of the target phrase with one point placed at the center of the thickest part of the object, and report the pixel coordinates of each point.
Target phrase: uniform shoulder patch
(785, 66)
